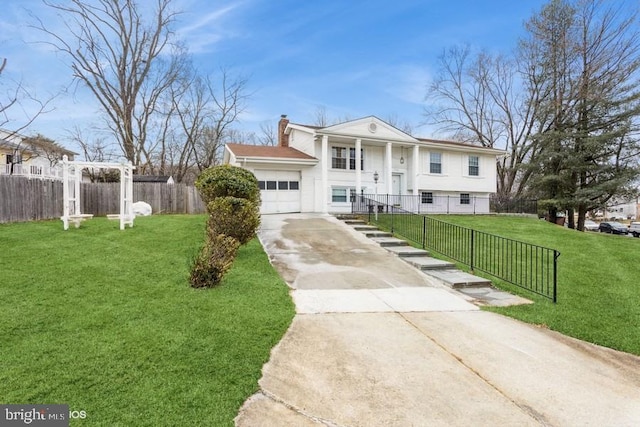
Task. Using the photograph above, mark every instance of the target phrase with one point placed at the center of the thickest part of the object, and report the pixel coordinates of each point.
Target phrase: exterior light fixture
(376, 177)
(402, 156)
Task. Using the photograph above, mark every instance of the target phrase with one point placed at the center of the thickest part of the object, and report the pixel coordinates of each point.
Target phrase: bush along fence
(464, 203)
(528, 266)
(24, 199)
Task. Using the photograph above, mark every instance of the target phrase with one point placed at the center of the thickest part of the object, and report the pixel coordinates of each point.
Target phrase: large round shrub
(234, 217)
(227, 180)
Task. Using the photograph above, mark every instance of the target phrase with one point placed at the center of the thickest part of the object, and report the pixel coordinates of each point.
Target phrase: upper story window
(338, 157)
(17, 159)
(474, 166)
(352, 159)
(435, 162)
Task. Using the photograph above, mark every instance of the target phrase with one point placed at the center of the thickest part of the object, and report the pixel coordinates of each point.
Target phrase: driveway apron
(377, 343)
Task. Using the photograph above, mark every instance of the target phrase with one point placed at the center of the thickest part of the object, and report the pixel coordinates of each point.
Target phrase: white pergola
(72, 176)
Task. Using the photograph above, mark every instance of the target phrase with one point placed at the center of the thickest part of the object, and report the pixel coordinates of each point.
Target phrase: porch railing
(447, 204)
(32, 171)
(528, 266)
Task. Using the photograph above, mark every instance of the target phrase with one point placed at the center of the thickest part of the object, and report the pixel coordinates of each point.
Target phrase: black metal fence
(429, 203)
(531, 267)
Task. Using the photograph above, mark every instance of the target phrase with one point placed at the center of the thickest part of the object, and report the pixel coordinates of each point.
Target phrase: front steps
(443, 271)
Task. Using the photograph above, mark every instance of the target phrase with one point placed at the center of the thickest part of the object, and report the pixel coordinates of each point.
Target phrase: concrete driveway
(376, 343)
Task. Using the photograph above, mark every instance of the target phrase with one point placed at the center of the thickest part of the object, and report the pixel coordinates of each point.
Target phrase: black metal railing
(529, 266)
(446, 204)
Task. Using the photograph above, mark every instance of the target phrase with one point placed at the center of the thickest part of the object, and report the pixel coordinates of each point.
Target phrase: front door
(396, 186)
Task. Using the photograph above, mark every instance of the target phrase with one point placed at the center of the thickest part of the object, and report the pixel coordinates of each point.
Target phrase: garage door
(279, 191)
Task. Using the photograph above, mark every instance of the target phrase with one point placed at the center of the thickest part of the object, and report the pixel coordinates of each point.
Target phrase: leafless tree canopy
(117, 54)
(166, 117)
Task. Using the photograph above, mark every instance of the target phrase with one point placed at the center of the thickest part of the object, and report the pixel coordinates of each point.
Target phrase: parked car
(613, 227)
(590, 225)
(634, 229)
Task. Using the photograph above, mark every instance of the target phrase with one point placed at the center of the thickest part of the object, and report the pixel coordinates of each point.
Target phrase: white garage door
(279, 191)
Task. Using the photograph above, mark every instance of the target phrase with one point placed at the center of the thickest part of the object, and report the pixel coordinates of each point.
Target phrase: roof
(267, 151)
(13, 140)
(457, 144)
(151, 178)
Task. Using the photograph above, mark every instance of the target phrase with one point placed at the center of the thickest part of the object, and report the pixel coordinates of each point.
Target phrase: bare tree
(478, 99)
(95, 149)
(400, 124)
(14, 96)
(127, 62)
(227, 101)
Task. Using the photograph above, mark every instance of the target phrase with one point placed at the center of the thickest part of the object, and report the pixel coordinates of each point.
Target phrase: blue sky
(354, 58)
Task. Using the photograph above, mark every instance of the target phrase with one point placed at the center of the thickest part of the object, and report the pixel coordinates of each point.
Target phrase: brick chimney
(283, 139)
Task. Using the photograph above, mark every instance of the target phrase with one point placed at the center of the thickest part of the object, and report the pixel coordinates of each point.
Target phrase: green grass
(104, 320)
(598, 280)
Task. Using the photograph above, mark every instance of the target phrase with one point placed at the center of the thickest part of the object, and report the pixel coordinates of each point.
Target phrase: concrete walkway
(377, 343)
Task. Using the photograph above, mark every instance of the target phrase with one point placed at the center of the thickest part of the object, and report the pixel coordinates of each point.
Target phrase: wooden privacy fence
(104, 198)
(24, 199)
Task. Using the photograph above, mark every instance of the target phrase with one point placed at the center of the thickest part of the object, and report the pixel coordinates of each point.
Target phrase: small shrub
(234, 217)
(227, 180)
(214, 260)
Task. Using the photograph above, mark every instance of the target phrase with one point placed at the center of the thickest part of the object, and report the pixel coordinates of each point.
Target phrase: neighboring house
(30, 156)
(319, 169)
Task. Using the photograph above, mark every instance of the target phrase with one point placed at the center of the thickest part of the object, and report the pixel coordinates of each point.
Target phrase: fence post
(471, 250)
(555, 276)
(391, 217)
(424, 232)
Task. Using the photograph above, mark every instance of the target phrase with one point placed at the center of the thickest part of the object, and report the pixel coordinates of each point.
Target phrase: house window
(435, 162)
(465, 199)
(426, 197)
(338, 157)
(11, 158)
(283, 185)
(339, 195)
(352, 159)
(271, 185)
(261, 185)
(294, 185)
(474, 166)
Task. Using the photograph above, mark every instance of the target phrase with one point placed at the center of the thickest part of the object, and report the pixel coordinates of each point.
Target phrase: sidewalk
(375, 342)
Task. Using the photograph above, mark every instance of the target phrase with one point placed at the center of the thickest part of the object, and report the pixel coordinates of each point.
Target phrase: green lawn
(104, 320)
(598, 280)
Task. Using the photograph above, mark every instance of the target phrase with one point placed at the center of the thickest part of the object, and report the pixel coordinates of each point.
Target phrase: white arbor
(72, 176)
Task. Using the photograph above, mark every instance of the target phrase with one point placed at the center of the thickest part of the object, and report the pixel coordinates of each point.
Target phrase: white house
(34, 157)
(318, 169)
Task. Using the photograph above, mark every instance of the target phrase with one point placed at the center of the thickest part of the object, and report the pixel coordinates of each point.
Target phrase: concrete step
(377, 233)
(365, 227)
(347, 216)
(458, 279)
(389, 241)
(355, 221)
(428, 263)
(407, 251)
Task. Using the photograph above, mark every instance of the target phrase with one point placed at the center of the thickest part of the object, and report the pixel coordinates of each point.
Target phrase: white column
(325, 172)
(358, 170)
(416, 169)
(78, 178)
(388, 176)
(65, 192)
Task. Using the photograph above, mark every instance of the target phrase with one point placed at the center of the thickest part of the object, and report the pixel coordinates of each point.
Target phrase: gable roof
(266, 151)
(369, 127)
